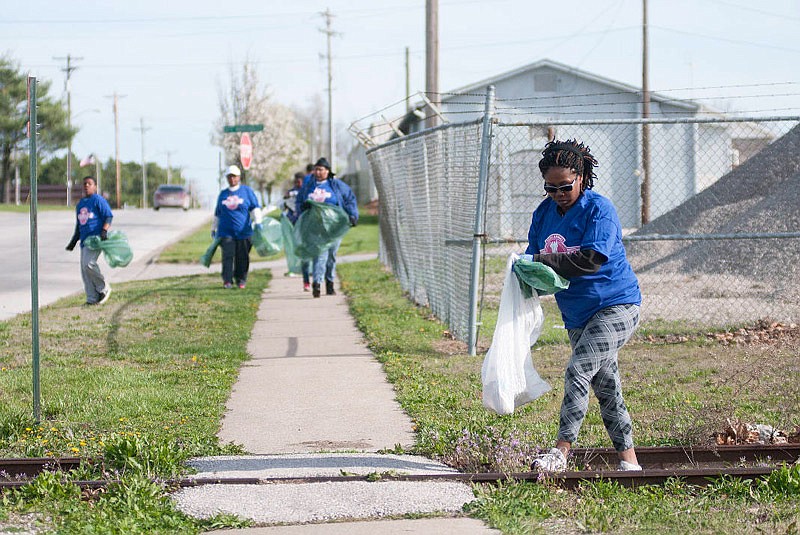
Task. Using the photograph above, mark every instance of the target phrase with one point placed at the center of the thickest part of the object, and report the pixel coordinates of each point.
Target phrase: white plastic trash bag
(508, 376)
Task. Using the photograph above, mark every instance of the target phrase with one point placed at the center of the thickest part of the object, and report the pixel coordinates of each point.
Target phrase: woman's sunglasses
(566, 188)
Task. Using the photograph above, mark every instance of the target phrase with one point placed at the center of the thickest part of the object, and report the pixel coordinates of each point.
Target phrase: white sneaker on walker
(552, 461)
(629, 467)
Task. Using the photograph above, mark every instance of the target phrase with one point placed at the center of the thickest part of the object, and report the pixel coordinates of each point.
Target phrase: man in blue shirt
(93, 218)
(236, 206)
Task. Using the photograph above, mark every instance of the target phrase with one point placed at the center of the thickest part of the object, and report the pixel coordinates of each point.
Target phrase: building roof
(481, 85)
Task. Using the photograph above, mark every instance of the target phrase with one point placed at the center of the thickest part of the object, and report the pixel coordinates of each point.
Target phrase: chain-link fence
(711, 214)
(428, 188)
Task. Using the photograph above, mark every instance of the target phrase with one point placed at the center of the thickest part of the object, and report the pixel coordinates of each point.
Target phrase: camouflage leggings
(594, 363)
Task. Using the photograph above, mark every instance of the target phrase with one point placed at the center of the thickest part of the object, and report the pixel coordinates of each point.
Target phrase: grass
(677, 393)
(140, 383)
(25, 207)
(362, 238)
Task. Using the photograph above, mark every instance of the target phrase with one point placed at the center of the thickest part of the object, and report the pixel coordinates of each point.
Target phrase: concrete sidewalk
(314, 401)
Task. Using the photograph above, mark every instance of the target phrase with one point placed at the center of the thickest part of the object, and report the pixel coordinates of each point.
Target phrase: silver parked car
(171, 196)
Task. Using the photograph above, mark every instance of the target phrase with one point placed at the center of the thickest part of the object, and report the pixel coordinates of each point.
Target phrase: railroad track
(694, 465)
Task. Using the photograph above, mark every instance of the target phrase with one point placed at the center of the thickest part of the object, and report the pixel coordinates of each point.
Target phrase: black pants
(235, 259)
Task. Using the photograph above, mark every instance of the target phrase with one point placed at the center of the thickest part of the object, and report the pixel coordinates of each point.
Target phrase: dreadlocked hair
(571, 155)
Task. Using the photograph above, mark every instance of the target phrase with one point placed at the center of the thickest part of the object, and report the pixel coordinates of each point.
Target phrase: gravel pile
(760, 196)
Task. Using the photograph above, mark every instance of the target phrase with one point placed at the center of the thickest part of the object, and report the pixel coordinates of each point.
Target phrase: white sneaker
(629, 467)
(552, 461)
(104, 296)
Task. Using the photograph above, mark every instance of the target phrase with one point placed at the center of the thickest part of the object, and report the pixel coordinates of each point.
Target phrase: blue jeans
(324, 266)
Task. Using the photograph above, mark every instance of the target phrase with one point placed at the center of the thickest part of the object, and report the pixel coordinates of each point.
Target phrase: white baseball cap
(233, 170)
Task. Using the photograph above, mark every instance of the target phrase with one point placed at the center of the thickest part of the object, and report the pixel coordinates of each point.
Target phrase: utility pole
(432, 57)
(645, 127)
(330, 33)
(68, 69)
(142, 129)
(116, 97)
(408, 82)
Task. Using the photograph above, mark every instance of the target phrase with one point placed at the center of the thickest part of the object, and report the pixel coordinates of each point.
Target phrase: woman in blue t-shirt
(577, 232)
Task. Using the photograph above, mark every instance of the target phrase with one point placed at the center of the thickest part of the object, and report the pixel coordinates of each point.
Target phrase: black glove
(104, 234)
(72, 243)
(353, 221)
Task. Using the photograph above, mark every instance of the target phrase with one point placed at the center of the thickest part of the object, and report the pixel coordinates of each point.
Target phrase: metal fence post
(478, 234)
(32, 132)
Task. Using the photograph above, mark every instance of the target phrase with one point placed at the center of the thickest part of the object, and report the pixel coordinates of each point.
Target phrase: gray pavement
(148, 233)
(313, 401)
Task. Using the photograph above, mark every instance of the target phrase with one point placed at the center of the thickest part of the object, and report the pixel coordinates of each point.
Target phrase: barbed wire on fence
(712, 254)
(395, 118)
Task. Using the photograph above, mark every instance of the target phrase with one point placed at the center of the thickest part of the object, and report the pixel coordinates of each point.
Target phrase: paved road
(148, 231)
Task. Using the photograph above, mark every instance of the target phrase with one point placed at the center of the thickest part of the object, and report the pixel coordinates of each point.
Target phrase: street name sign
(243, 128)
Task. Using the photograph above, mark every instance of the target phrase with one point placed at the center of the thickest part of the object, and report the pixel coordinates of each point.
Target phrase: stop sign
(246, 150)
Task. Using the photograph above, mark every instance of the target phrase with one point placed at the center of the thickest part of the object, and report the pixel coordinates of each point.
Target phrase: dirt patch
(762, 333)
(450, 346)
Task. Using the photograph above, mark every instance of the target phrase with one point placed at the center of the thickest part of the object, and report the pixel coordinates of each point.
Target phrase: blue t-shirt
(92, 212)
(323, 192)
(233, 212)
(591, 223)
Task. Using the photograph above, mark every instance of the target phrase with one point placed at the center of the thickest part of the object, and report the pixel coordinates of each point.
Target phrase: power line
(216, 18)
(781, 16)
(725, 39)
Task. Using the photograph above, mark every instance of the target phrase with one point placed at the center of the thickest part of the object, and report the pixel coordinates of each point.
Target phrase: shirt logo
(556, 243)
(320, 195)
(233, 202)
(85, 215)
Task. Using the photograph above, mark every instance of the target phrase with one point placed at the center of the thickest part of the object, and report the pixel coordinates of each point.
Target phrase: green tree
(51, 116)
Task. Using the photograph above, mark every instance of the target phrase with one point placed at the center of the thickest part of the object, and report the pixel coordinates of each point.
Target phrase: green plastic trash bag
(206, 257)
(268, 240)
(537, 276)
(318, 227)
(116, 249)
(293, 262)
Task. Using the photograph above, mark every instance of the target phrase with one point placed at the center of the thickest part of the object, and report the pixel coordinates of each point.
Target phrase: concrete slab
(419, 526)
(312, 386)
(310, 396)
(315, 502)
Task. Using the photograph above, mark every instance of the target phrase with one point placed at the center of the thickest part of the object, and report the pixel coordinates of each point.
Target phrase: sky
(169, 60)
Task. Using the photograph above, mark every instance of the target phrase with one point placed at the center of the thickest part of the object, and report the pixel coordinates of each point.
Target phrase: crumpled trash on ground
(738, 432)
